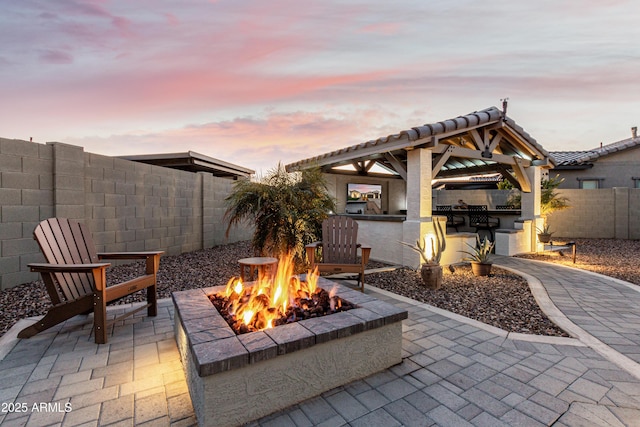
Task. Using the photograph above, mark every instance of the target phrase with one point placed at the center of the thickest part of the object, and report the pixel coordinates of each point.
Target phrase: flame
(270, 296)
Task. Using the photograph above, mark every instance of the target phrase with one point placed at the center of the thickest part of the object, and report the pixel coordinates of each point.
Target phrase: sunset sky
(257, 82)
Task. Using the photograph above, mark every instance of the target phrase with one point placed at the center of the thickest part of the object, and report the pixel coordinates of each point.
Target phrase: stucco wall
(393, 191)
(616, 170)
(491, 198)
(383, 237)
(128, 206)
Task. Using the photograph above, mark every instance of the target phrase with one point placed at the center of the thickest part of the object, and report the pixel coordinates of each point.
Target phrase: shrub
(287, 210)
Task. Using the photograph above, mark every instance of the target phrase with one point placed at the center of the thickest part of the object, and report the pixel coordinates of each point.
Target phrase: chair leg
(58, 314)
(100, 318)
(152, 299)
(151, 267)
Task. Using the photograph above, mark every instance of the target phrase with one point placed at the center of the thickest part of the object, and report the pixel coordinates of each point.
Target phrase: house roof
(193, 162)
(587, 157)
(479, 142)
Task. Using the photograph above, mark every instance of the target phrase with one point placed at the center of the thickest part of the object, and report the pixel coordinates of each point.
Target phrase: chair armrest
(128, 255)
(366, 251)
(66, 268)
(311, 253)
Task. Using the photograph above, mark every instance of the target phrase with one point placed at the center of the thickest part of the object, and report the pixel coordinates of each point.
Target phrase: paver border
(555, 314)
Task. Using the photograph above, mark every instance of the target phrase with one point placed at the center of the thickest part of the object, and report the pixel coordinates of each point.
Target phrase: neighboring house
(612, 165)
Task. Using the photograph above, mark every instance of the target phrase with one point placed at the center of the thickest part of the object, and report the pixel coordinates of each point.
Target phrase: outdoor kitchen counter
(390, 218)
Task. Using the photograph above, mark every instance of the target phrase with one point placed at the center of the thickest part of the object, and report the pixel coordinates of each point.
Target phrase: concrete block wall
(26, 197)
(214, 226)
(128, 206)
(132, 206)
(608, 213)
(634, 213)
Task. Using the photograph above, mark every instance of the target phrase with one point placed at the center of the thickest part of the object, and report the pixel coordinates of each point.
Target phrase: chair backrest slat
(478, 214)
(339, 240)
(448, 211)
(64, 241)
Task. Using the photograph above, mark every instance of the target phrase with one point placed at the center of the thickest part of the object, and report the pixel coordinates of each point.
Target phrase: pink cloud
(386, 28)
(102, 67)
(257, 142)
(56, 57)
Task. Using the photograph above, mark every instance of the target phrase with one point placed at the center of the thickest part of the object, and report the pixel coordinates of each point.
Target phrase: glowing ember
(275, 300)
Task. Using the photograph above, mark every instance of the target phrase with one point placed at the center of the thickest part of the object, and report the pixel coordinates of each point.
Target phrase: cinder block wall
(26, 196)
(634, 213)
(128, 206)
(608, 213)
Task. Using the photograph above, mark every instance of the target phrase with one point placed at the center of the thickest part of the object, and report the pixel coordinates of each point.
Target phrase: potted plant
(480, 257)
(544, 233)
(430, 251)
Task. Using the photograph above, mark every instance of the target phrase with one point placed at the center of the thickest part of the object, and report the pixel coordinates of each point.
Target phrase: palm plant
(287, 210)
(550, 200)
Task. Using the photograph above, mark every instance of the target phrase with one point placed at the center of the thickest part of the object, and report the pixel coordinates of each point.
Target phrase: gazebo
(481, 142)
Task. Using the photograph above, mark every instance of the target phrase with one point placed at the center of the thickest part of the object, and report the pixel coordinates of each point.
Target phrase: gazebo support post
(531, 205)
(419, 202)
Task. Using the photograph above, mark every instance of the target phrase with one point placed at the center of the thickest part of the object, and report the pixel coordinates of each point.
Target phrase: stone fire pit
(234, 379)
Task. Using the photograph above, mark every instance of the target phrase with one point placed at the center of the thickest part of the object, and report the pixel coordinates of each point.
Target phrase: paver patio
(455, 371)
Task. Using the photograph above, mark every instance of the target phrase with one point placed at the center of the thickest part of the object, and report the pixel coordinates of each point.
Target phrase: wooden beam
(523, 179)
(488, 125)
(397, 165)
(440, 161)
(467, 171)
(477, 139)
(468, 153)
(369, 165)
(493, 144)
(357, 165)
(508, 176)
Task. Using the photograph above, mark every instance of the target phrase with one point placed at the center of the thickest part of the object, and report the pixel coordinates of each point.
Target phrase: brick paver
(132, 380)
(605, 308)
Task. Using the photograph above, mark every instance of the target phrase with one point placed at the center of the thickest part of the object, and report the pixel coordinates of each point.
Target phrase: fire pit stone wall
(226, 372)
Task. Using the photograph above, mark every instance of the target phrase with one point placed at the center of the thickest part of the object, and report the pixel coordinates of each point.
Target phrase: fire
(270, 296)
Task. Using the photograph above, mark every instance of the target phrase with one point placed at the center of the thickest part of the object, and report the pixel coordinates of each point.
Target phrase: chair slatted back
(339, 240)
(447, 210)
(478, 214)
(65, 241)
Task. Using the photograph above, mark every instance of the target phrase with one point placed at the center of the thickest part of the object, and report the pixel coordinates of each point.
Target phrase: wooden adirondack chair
(76, 279)
(339, 249)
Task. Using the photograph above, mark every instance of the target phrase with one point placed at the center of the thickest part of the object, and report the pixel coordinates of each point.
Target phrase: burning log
(318, 304)
(273, 301)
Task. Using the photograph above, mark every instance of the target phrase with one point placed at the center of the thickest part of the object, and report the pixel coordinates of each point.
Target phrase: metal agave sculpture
(438, 245)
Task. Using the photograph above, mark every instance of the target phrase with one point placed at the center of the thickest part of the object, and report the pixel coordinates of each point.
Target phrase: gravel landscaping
(611, 257)
(503, 300)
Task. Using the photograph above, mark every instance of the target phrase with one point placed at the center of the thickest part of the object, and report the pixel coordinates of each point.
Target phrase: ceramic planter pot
(480, 269)
(544, 237)
(431, 275)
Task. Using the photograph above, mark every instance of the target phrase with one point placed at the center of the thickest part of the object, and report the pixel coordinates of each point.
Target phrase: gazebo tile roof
(413, 136)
